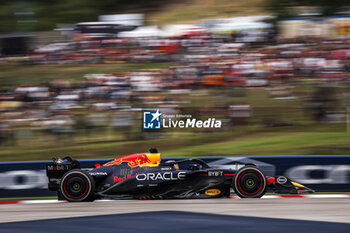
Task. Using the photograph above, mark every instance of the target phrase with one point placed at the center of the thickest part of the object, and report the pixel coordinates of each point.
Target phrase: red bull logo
(137, 160)
(117, 179)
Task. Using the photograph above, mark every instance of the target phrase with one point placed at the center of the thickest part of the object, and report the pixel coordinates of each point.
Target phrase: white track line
(232, 197)
(40, 201)
(327, 195)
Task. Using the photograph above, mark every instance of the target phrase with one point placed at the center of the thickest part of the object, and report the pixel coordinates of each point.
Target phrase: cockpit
(186, 164)
(153, 160)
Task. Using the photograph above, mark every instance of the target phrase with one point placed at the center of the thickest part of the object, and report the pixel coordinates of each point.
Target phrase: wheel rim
(75, 186)
(250, 182)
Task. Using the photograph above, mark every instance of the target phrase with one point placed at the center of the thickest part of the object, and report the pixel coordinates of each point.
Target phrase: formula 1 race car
(143, 176)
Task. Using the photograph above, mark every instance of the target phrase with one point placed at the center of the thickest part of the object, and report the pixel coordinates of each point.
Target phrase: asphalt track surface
(172, 221)
(216, 215)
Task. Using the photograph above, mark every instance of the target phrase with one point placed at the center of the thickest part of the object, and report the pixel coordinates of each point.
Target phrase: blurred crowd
(112, 102)
(213, 58)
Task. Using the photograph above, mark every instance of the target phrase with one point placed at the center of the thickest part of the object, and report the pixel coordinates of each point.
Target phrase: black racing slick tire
(249, 182)
(77, 186)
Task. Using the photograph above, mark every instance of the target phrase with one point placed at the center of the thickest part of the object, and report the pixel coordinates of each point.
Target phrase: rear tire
(249, 182)
(77, 186)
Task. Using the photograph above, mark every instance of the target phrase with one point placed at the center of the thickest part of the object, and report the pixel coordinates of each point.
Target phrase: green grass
(211, 144)
(15, 74)
(271, 143)
(28, 198)
(40, 151)
(304, 136)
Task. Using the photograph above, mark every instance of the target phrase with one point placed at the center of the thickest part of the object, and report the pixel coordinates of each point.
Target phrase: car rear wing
(57, 169)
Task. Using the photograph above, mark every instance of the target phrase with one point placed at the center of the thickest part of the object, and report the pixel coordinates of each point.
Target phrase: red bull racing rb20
(145, 176)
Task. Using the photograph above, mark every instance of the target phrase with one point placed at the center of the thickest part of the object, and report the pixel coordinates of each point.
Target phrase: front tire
(77, 186)
(250, 182)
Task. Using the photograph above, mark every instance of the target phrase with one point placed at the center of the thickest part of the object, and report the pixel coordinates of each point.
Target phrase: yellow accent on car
(212, 192)
(298, 185)
(154, 158)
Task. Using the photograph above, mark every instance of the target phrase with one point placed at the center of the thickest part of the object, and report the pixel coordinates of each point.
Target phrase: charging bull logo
(137, 160)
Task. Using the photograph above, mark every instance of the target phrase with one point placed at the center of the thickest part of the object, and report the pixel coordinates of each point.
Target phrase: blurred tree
(284, 8)
(46, 14)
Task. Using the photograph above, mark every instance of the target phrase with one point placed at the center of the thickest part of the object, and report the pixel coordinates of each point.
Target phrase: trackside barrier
(321, 173)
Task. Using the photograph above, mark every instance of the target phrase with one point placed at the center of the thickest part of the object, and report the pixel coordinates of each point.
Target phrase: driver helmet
(174, 163)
